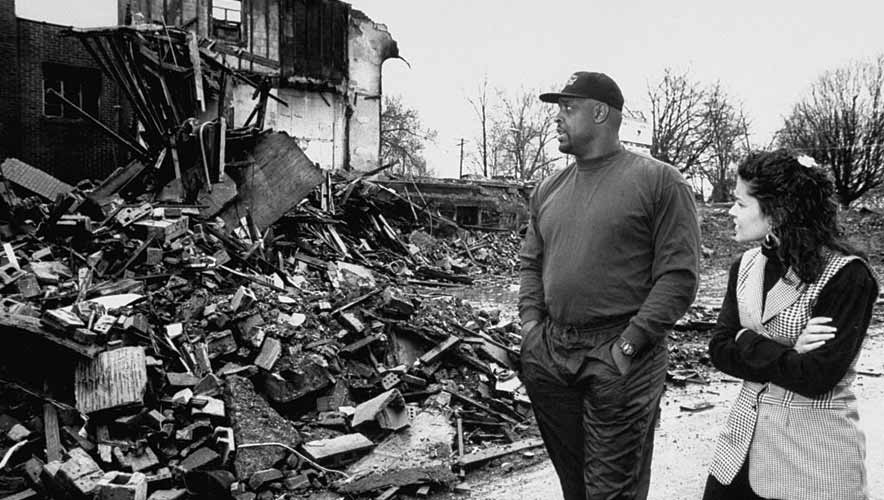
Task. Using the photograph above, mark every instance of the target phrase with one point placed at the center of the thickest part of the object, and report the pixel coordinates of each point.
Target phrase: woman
(791, 326)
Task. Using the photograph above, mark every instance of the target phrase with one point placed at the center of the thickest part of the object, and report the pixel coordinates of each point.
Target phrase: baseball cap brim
(553, 97)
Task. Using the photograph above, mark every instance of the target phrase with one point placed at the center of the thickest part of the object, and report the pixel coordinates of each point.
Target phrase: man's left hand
(622, 361)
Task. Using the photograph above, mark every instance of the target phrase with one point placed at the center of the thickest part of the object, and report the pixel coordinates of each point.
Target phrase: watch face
(627, 348)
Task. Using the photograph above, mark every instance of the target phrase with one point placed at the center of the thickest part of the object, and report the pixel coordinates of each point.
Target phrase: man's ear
(600, 112)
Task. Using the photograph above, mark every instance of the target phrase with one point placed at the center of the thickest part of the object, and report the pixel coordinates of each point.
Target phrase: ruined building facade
(321, 57)
(46, 134)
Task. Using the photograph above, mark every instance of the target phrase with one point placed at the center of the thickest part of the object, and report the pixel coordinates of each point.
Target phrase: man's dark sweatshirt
(612, 237)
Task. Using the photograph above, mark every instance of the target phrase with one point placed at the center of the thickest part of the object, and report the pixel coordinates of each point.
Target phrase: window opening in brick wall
(227, 20)
(81, 86)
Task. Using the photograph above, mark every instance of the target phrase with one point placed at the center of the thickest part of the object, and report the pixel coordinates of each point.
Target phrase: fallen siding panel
(279, 179)
(33, 179)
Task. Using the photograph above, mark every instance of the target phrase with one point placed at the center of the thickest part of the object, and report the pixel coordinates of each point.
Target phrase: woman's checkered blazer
(799, 448)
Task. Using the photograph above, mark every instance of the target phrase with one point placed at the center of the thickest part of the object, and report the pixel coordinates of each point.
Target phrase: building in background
(44, 133)
(635, 131)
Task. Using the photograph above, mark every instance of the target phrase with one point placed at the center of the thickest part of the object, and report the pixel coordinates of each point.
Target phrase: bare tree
(727, 128)
(480, 106)
(524, 128)
(403, 137)
(677, 111)
(841, 125)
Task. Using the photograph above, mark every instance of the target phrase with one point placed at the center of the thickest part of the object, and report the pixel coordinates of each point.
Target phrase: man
(608, 265)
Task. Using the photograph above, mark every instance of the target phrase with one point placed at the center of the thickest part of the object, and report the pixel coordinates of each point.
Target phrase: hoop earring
(771, 240)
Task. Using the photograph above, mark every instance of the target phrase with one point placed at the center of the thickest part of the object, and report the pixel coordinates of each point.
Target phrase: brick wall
(71, 149)
(8, 80)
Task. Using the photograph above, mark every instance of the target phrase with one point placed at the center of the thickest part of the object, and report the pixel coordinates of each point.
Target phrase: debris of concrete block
(271, 350)
(210, 385)
(221, 343)
(249, 330)
(17, 433)
(416, 455)
(262, 477)
(183, 396)
(296, 377)
(255, 421)
(175, 494)
(214, 407)
(153, 256)
(136, 459)
(200, 458)
(182, 379)
(114, 379)
(120, 486)
(28, 286)
(396, 305)
(351, 321)
(354, 276)
(297, 482)
(163, 231)
(387, 410)
(324, 450)
(79, 473)
(242, 299)
(174, 330)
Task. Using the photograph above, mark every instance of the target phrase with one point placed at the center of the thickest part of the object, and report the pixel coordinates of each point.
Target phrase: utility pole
(461, 158)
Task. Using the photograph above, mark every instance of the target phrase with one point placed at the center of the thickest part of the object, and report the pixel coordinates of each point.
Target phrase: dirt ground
(685, 440)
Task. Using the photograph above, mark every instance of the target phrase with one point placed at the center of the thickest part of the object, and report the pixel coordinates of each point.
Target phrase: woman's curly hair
(800, 201)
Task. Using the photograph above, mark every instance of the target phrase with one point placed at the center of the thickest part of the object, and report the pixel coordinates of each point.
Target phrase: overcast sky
(765, 52)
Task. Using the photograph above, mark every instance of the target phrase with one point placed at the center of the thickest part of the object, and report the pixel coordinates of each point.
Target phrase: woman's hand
(814, 335)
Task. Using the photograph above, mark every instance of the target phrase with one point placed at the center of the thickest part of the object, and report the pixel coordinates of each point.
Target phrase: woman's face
(749, 223)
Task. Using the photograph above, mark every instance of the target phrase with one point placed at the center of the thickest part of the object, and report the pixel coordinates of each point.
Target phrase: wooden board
(31, 325)
(498, 451)
(114, 379)
(50, 428)
(327, 448)
(280, 177)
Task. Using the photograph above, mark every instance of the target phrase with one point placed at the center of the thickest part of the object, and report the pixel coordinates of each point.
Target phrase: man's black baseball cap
(586, 84)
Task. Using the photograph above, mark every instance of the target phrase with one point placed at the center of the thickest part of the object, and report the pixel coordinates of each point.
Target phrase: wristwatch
(627, 348)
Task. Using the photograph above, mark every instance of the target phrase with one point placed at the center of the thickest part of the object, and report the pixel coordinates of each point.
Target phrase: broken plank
(33, 326)
(485, 408)
(498, 451)
(116, 181)
(54, 449)
(433, 354)
(27, 494)
(193, 49)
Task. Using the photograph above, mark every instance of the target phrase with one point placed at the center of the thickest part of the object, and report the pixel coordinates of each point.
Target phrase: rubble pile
(192, 360)
(220, 318)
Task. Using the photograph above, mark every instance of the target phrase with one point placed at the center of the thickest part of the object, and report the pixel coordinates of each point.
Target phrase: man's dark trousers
(597, 425)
